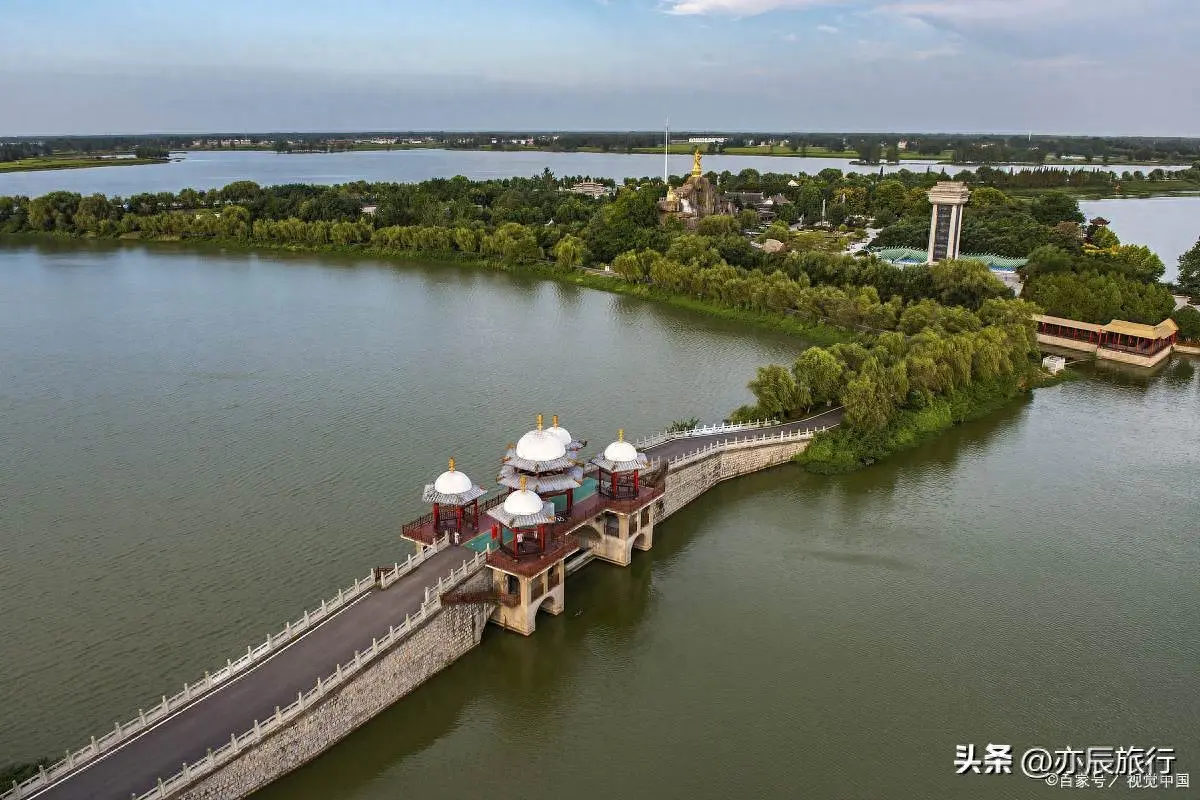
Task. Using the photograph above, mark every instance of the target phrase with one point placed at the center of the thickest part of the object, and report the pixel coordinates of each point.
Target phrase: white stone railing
(402, 568)
(703, 430)
(215, 759)
(744, 441)
(253, 655)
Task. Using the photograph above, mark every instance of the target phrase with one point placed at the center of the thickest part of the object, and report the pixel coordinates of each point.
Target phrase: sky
(1046, 66)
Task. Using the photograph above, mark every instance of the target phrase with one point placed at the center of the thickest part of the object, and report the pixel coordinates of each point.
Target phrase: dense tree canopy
(1188, 320)
(1189, 271)
(907, 369)
(1099, 297)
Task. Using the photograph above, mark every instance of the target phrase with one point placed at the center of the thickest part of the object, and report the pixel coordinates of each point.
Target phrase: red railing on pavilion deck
(422, 530)
(560, 541)
(527, 566)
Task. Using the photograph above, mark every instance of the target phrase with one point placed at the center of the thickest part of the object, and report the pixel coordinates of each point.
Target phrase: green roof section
(911, 255)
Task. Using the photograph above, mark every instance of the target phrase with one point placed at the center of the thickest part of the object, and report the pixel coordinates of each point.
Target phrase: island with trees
(21, 156)
(907, 350)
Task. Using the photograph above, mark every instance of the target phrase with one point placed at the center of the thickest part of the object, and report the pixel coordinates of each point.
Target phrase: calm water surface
(216, 168)
(196, 445)
(1167, 225)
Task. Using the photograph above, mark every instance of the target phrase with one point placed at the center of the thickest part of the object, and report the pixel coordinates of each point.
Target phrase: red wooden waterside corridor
(1119, 335)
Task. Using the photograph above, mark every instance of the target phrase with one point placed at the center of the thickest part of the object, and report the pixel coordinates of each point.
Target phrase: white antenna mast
(666, 150)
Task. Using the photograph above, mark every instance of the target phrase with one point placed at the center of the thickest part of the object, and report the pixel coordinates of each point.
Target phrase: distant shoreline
(41, 164)
(676, 149)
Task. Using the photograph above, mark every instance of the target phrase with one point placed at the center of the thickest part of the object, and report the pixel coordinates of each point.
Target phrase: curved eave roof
(911, 255)
(557, 465)
(641, 462)
(571, 478)
(1162, 330)
(543, 517)
(432, 495)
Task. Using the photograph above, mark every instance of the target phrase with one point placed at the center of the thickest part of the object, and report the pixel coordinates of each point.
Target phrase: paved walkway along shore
(132, 768)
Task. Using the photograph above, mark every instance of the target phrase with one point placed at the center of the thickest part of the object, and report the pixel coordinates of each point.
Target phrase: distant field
(72, 162)
(1128, 189)
(810, 152)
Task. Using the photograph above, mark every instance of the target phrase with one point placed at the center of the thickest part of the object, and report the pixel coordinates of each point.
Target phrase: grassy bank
(1129, 189)
(683, 148)
(607, 282)
(845, 449)
(73, 162)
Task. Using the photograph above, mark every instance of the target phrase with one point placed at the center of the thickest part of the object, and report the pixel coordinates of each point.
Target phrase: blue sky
(1083, 66)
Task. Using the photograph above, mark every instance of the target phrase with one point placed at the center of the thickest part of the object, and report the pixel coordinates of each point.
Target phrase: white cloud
(941, 51)
(739, 8)
(789, 37)
(1007, 13)
(827, 29)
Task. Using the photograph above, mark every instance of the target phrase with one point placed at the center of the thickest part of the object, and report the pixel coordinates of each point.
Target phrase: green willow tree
(1189, 271)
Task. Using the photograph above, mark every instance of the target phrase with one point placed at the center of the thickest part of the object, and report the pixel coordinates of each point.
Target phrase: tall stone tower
(945, 229)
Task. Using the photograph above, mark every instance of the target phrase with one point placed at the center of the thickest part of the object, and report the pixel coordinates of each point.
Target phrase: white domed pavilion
(619, 469)
(544, 460)
(525, 514)
(455, 501)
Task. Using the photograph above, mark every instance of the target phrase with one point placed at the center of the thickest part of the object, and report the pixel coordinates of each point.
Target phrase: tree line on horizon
(519, 221)
(872, 147)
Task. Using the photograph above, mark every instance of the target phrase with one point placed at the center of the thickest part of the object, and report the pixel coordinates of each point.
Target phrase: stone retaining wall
(446, 636)
(686, 483)
(1108, 354)
(1068, 344)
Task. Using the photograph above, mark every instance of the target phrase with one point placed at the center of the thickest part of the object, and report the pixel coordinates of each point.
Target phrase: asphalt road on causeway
(690, 444)
(134, 767)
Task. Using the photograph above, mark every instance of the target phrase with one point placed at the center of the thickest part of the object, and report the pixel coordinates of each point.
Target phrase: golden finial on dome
(522, 483)
(620, 434)
(452, 465)
(554, 421)
(539, 422)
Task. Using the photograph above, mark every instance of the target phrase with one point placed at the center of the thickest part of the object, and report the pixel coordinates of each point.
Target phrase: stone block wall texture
(1132, 358)
(685, 484)
(1069, 344)
(440, 641)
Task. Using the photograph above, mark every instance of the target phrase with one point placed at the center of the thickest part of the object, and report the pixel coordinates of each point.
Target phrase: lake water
(215, 168)
(197, 444)
(1167, 225)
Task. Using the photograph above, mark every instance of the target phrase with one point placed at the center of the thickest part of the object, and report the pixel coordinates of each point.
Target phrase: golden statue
(696, 170)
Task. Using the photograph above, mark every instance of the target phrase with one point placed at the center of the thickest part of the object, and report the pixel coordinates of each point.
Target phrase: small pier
(478, 559)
